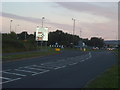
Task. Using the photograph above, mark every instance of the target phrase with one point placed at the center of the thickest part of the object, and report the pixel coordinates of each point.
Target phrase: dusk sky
(93, 19)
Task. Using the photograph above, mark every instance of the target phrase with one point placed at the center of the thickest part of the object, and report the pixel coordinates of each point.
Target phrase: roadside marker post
(84, 49)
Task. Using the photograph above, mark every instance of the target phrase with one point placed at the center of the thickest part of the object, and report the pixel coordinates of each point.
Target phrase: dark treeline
(25, 42)
(13, 42)
(94, 42)
(63, 38)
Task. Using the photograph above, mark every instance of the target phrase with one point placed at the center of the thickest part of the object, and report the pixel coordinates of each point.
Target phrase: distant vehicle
(110, 48)
(95, 48)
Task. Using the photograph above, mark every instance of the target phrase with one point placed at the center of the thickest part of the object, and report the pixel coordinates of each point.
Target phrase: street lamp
(11, 24)
(42, 21)
(73, 25)
(73, 29)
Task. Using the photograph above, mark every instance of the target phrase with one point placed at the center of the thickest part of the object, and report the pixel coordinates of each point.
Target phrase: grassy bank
(29, 55)
(109, 79)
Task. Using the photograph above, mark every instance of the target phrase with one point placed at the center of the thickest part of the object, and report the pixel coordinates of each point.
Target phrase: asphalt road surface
(70, 69)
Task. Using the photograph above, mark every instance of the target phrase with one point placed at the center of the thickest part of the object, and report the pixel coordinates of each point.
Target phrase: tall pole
(37, 40)
(73, 26)
(42, 21)
(73, 29)
(10, 24)
(42, 27)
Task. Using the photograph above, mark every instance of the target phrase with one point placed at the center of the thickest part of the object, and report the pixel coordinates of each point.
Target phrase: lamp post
(73, 25)
(10, 24)
(73, 28)
(42, 21)
(36, 38)
(42, 27)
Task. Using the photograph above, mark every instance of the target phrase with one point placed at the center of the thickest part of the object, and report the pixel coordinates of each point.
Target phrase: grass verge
(29, 55)
(109, 79)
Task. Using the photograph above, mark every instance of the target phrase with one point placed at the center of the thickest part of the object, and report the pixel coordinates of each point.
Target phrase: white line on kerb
(10, 80)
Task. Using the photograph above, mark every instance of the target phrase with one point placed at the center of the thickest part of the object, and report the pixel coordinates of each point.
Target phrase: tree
(62, 38)
(13, 35)
(96, 42)
(23, 36)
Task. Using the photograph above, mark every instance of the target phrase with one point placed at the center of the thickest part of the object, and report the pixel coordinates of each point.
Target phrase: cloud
(107, 11)
(37, 21)
(88, 30)
(12, 16)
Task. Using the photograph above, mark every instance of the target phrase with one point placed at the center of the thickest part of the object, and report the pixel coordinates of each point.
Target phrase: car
(95, 48)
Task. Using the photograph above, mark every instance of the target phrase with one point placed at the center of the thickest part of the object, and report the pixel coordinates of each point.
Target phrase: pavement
(70, 69)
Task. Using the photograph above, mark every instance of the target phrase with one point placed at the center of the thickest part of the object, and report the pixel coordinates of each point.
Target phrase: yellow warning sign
(57, 49)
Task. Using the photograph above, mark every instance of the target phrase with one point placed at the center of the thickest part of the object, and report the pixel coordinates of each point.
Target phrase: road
(70, 69)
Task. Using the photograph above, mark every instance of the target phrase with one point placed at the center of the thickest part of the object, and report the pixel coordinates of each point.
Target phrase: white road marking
(60, 67)
(87, 57)
(26, 66)
(41, 72)
(82, 60)
(14, 73)
(25, 71)
(10, 80)
(72, 63)
(35, 68)
(44, 67)
(5, 78)
(77, 58)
